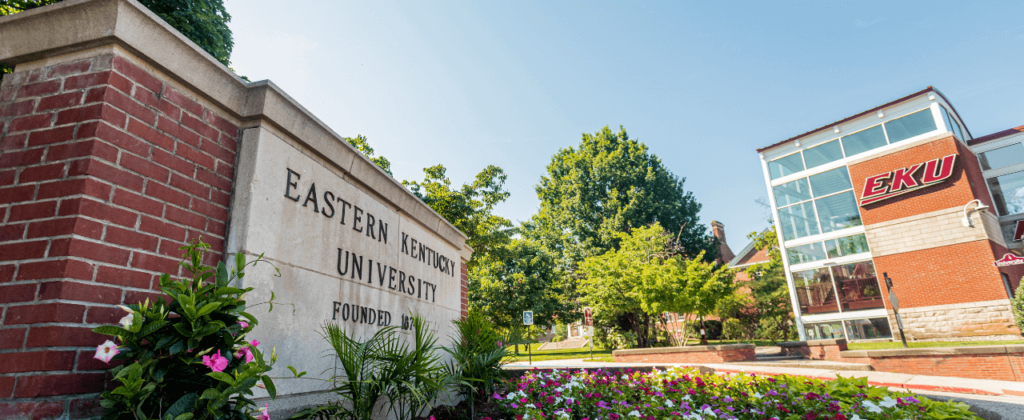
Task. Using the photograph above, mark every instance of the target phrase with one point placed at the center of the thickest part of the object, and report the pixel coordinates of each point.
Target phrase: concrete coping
(808, 343)
(686, 349)
(73, 26)
(935, 351)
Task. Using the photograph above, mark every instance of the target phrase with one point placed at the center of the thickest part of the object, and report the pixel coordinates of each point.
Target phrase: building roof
(998, 135)
(868, 112)
(749, 255)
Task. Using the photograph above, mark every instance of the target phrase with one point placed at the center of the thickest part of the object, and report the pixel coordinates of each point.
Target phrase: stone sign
(345, 256)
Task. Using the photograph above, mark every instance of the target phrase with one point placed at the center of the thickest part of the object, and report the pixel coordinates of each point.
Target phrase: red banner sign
(1009, 259)
(905, 180)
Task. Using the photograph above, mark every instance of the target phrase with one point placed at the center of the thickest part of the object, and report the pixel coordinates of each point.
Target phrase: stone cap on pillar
(77, 26)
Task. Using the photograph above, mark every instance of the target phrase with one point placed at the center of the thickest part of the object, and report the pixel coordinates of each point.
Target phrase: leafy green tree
(609, 185)
(769, 289)
(522, 277)
(205, 22)
(469, 208)
(646, 276)
(360, 143)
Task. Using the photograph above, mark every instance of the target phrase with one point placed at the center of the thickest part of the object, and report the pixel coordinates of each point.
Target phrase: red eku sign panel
(905, 180)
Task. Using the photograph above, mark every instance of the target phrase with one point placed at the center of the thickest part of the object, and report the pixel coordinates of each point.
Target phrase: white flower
(530, 406)
(511, 396)
(563, 415)
(870, 406)
(625, 378)
(669, 404)
(634, 413)
(887, 402)
(106, 351)
(856, 417)
(127, 321)
(757, 395)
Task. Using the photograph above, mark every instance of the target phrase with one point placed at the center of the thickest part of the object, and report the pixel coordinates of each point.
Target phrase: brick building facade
(894, 190)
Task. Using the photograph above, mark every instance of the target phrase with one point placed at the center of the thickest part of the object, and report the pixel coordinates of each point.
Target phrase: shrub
(476, 356)
(712, 327)
(384, 370)
(1017, 304)
(687, 394)
(732, 329)
(185, 354)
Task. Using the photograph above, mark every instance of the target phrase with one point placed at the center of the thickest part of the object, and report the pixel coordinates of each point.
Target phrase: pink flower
(247, 352)
(264, 415)
(106, 351)
(216, 363)
(243, 324)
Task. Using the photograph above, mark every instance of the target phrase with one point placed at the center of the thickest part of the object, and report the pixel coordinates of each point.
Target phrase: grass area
(538, 355)
(882, 345)
(600, 359)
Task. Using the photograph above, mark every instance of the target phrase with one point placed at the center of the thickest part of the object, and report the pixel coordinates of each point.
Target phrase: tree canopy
(609, 185)
(360, 143)
(523, 278)
(205, 22)
(769, 289)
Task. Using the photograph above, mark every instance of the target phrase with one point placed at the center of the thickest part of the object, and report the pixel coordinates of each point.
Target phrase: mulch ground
(485, 409)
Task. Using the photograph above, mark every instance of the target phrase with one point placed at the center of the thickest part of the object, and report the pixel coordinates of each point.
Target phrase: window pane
(858, 286)
(824, 331)
(787, 165)
(855, 244)
(814, 291)
(825, 153)
(832, 248)
(798, 221)
(1008, 193)
(868, 329)
(792, 193)
(806, 253)
(863, 141)
(838, 212)
(911, 125)
(829, 182)
(1003, 156)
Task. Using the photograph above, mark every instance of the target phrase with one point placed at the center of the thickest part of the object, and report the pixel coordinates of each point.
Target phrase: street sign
(527, 317)
(588, 331)
(588, 317)
(894, 300)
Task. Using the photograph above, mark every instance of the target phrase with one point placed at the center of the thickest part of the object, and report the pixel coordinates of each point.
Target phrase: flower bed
(686, 394)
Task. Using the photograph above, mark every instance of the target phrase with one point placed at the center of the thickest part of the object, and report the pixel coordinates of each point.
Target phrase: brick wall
(1004, 363)
(815, 350)
(105, 170)
(709, 356)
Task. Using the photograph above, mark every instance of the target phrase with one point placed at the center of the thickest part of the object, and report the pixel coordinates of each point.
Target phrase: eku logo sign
(905, 180)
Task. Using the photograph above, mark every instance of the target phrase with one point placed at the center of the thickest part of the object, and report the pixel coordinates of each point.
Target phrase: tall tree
(769, 288)
(469, 208)
(646, 276)
(360, 143)
(205, 22)
(523, 278)
(609, 185)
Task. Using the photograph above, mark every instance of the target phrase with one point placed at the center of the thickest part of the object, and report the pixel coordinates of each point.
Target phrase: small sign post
(895, 307)
(588, 320)
(528, 322)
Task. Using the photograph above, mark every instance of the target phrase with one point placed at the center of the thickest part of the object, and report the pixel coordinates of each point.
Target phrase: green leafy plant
(185, 354)
(384, 369)
(732, 329)
(476, 355)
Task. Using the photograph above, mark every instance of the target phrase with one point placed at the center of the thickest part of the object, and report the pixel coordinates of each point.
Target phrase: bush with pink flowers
(687, 394)
(186, 356)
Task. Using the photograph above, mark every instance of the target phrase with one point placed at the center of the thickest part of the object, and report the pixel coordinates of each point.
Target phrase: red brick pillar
(105, 170)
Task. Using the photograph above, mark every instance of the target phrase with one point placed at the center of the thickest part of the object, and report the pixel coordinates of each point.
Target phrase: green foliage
(205, 22)
(384, 369)
(732, 329)
(522, 277)
(1017, 304)
(476, 356)
(610, 185)
(360, 143)
(163, 344)
(644, 278)
(769, 289)
(469, 208)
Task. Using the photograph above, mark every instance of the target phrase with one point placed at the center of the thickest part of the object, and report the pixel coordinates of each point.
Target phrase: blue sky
(702, 84)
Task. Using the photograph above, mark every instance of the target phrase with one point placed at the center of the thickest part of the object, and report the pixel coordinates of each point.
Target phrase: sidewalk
(899, 381)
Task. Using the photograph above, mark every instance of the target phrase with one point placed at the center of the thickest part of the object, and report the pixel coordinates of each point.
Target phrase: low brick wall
(1005, 363)
(815, 349)
(688, 354)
